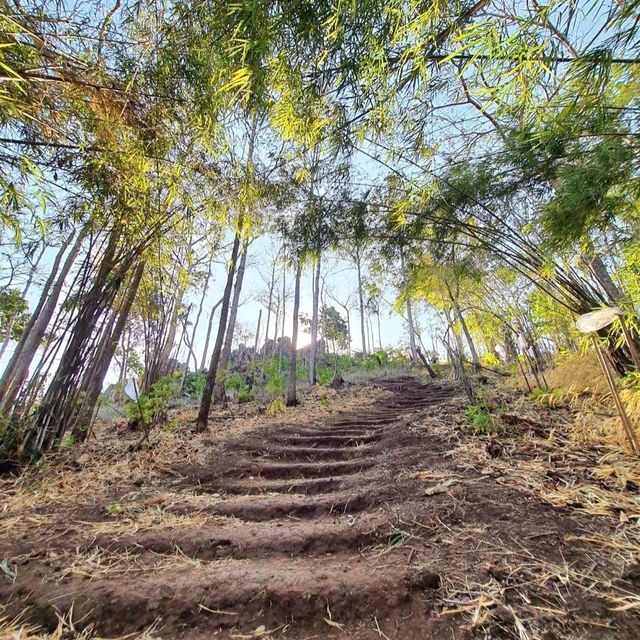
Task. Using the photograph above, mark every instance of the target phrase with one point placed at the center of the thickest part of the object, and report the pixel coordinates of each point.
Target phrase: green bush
(245, 395)
(155, 404)
(234, 382)
(194, 384)
(276, 407)
(276, 384)
(480, 418)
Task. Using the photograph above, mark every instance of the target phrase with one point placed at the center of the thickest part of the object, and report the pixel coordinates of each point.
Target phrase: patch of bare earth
(381, 520)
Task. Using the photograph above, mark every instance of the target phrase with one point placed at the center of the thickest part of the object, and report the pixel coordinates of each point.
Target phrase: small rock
(503, 614)
(494, 449)
(424, 579)
(84, 459)
(632, 572)
(498, 573)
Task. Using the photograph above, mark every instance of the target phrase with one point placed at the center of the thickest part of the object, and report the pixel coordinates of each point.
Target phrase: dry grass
(16, 629)
(580, 373)
(572, 458)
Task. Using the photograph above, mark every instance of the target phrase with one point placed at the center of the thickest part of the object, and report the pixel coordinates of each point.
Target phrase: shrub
(155, 404)
(276, 384)
(245, 395)
(194, 384)
(234, 382)
(277, 407)
(549, 397)
(480, 418)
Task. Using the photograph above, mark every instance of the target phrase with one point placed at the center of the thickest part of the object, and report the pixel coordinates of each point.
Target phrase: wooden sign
(596, 320)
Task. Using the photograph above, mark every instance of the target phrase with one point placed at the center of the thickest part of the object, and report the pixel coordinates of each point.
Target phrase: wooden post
(524, 375)
(624, 418)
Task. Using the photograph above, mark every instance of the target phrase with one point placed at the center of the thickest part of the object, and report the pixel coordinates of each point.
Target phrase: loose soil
(365, 523)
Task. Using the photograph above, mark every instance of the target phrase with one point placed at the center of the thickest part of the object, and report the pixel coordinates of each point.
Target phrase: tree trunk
(361, 300)
(218, 394)
(467, 335)
(59, 402)
(97, 372)
(269, 305)
(164, 367)
(597, 267)
(284, 308)
(255, 346)
(313, 347)
(203, 362)
(207, 396)
(465, 329)
(17, 370)
(291, 399)
(196, 322)
(412, 334)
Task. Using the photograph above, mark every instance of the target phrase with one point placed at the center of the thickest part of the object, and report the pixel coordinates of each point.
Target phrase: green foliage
(276, 384)
(590, 192)
(276, 407)
(114, 509)
(194, 384)
(155, 404)
(68, 441)
(490, 360)
(480, 418)
(14, 314)
(237, 387)
(549, 397)
(245, 395)
(234, 382)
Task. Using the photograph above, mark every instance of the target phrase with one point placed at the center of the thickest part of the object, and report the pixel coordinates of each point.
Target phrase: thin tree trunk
(203, 362)
(412, 334)
(361, 300)
(456, 335)
(597, 267)
(58, 404)
(269, 304)
(164, 366)
(98, 371)
(255, 346)
(291, 399)
(313, 347)
(196, 322)
(284, 315)
(218, 394)
(467, 335)
(17, 370)
(207, 396)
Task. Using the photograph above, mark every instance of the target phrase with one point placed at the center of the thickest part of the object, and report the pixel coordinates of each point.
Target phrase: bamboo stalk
(624, 418)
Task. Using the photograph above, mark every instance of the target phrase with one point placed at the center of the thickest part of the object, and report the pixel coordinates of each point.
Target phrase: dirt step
(352, 432)
(313, 453)
(285, 470)
(347, 441)
(308, 486)
(268, 507)
(361, 422)
(234, 594)
(330, 534)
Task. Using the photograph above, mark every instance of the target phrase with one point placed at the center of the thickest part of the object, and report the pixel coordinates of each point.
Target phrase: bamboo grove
(480, 158)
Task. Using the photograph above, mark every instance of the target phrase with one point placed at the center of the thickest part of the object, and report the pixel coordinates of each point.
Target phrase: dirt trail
(318, 531)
